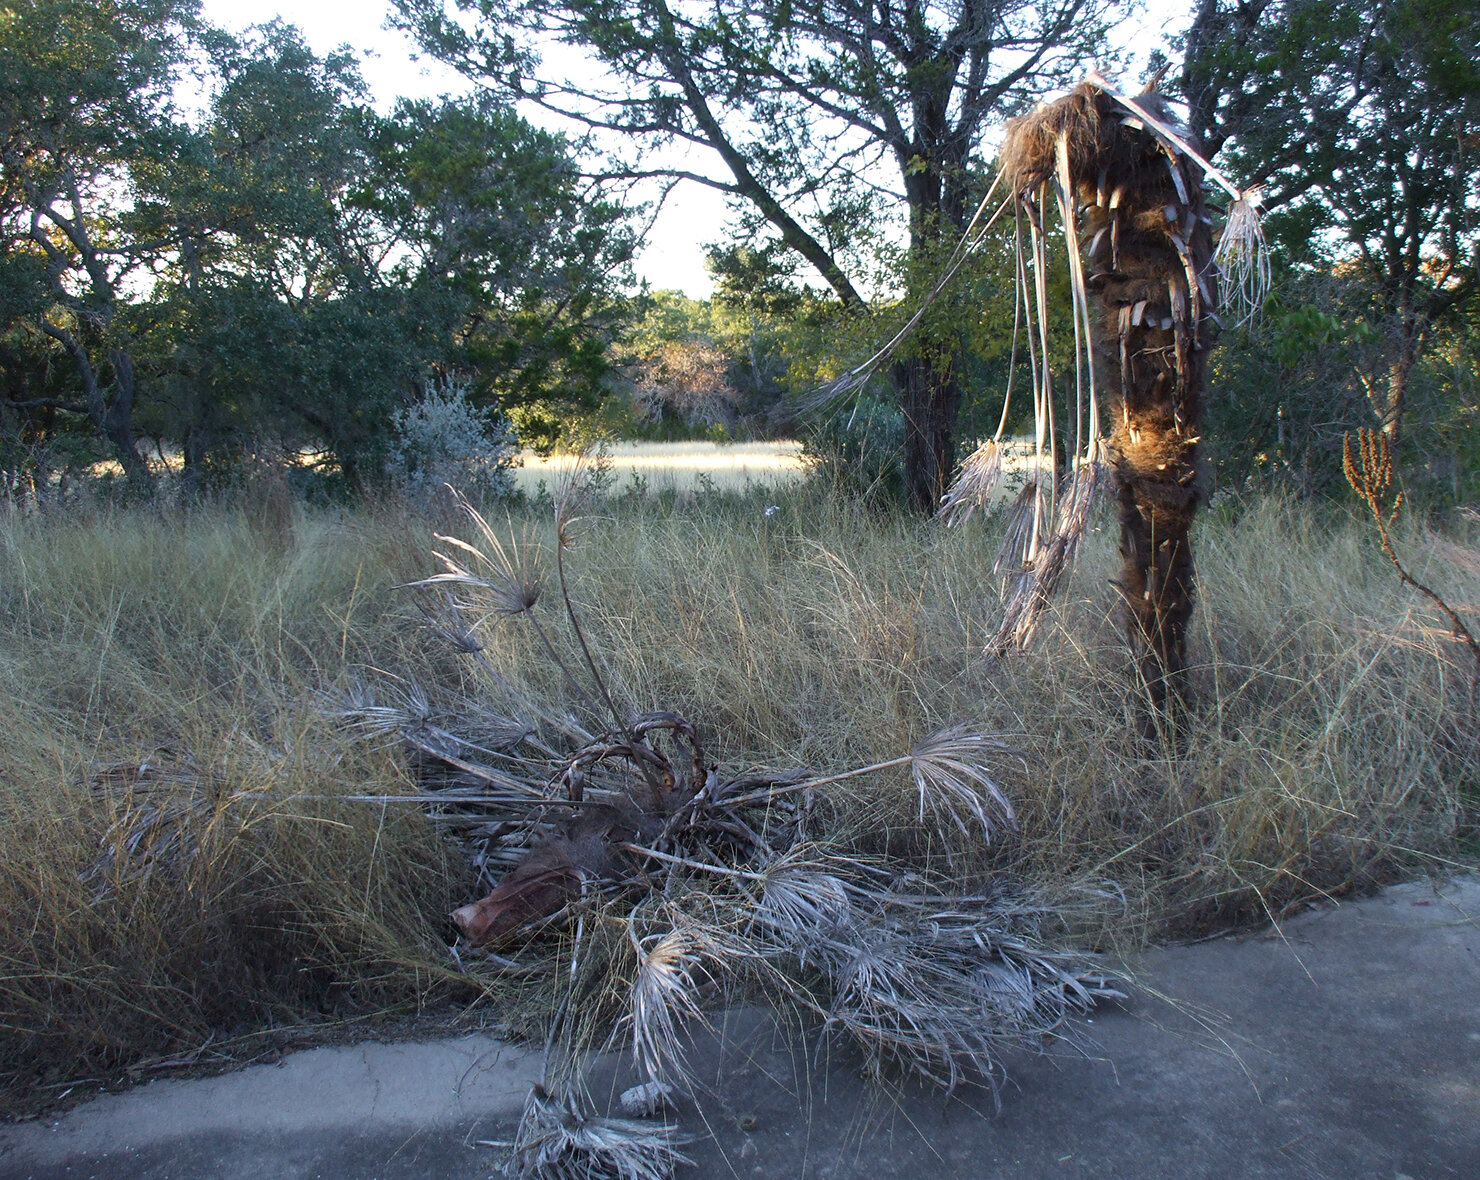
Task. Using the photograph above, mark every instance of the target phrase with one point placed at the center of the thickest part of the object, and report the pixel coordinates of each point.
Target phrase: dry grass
(182, 862)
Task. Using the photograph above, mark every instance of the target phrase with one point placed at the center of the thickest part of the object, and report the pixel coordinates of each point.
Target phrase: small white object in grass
(772, 509)
(646, 1100)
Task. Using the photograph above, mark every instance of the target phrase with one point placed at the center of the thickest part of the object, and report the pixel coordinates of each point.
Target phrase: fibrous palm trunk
(1139, 202)
(1152, 275)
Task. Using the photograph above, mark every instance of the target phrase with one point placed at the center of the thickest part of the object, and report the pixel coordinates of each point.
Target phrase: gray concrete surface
(1346, 1045)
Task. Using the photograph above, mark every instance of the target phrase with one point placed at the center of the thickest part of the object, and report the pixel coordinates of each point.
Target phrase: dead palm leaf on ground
(719, 882)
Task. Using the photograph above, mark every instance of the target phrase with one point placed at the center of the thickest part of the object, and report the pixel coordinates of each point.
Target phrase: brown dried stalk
(1369, 469)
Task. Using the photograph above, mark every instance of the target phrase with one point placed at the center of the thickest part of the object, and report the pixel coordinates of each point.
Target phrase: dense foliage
(826, 122)
(1362, 122)
(284, 268)
(213, 248)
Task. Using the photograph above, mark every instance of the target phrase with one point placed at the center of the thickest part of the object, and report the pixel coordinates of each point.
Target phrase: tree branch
(44, 403)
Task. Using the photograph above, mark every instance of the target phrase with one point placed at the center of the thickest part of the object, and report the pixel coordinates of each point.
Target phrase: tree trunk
(1156, 498)
(927, 385)
(1397, 394)
(1155, 283)
(192, 476)
(1388, 398)
(111, 416)
(118, 423)
(930, 397)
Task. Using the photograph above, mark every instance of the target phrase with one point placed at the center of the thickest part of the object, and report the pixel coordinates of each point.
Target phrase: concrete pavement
(1345, 1045)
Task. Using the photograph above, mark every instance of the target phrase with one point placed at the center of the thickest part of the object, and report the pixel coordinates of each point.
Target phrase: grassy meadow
(182, 865)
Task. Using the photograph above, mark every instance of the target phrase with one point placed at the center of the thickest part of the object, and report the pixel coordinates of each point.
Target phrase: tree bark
(927, 384)
(1153, 275)
(930, 398)
(111, 416)
(118, 422)
(197, 445)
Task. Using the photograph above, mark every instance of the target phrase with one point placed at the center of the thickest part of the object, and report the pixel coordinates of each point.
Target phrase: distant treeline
(274, 268)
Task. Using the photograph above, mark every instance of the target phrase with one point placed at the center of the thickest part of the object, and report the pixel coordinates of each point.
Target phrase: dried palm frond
(1039, 576)
(943, 985)
(1078, 502)
(720, 881)
(161, 812)
(1027, 521)
(560, 1137)
(511, 586)
(805, 900)
(1242, 258)
(903, 1008)
(358, 707)
(974, 484)
(663, 1000)
(490, 731)
(1030, 597)
(950, 771)
(575, 490)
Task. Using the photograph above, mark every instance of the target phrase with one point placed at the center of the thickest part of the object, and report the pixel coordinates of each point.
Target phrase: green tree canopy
(289, 263)
(822, 119)
(85, 101)
(1362, 122)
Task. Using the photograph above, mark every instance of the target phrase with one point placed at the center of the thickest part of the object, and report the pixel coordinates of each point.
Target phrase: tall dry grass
(181, 862)
(175, 866)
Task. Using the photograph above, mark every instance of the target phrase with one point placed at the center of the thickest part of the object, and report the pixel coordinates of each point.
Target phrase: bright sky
(693, 214)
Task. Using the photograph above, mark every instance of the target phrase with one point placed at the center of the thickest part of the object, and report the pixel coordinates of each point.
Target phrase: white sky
(693, 214)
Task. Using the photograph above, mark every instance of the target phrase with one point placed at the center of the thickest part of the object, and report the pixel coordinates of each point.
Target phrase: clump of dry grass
(187, 853)
(179, 867)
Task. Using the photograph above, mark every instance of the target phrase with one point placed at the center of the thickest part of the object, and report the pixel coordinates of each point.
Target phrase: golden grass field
(683, 467)
(181, 865)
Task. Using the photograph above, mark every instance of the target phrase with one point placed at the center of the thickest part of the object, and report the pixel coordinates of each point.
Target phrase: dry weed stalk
(1368, 466)
(717, 880)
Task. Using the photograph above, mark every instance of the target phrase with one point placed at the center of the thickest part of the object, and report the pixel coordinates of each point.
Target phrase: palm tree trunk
(1156, 286)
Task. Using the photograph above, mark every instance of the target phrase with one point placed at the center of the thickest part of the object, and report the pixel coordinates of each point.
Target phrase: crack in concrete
(374, 1081)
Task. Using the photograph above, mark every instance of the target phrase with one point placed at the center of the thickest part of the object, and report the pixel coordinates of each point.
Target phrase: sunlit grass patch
(683, 467)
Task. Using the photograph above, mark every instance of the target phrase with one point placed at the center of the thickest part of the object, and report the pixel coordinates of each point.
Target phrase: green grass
(1332, 748)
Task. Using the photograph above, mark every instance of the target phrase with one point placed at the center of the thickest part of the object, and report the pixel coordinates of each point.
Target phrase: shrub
(445, 439)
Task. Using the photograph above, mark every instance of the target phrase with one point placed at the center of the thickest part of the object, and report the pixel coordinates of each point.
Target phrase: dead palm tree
(1128, 192)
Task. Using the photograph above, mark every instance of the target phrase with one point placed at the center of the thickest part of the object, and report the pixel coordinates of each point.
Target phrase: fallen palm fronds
(717, 881)
(561, 1137)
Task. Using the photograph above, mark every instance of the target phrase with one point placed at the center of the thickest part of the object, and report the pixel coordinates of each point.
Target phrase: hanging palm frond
(858, 376)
